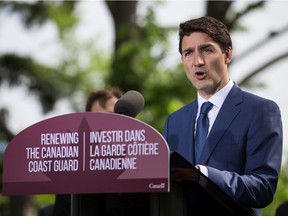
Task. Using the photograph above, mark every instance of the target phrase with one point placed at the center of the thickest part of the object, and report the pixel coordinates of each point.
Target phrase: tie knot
(206, 107)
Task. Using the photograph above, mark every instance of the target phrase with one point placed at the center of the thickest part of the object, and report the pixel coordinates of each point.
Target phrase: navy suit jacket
(243, 150)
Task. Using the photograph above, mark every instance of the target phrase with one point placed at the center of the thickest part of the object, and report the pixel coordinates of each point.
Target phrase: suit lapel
(189, 126)
(225, 117)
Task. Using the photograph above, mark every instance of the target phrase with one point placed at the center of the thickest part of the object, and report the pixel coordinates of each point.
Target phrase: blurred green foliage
(138, 63)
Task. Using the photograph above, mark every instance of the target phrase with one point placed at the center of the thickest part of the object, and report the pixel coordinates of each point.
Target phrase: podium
(185, 179)
(184, 175)
(96, 157)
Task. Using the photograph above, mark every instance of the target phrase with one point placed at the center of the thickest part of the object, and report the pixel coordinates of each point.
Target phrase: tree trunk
(122, 73)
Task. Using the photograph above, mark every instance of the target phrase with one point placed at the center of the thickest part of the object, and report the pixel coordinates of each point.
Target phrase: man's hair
(102, 96)
(214, 28)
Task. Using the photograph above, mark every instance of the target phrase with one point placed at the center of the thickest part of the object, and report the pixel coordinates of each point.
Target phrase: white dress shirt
(217, 100)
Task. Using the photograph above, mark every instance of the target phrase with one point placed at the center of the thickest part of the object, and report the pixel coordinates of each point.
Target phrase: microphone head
(130, 104)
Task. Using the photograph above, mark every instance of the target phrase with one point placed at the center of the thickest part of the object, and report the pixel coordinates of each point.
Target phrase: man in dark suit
(243, 149)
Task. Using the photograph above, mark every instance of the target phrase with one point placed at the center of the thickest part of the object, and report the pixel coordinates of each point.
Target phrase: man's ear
(228, 57)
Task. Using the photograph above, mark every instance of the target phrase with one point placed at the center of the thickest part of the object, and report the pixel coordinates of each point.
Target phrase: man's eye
(207, 50)
(187, 53)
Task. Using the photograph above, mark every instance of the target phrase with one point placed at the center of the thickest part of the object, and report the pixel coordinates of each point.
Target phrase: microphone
(129, 104)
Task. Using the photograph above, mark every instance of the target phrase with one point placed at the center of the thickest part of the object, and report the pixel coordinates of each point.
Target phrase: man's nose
(198, 59)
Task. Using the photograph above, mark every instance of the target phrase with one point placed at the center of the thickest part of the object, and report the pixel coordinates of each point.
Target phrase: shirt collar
(218, 98)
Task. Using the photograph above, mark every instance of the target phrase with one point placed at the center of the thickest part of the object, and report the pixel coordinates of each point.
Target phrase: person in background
(98, 101)
(103, 100)
(242, 152)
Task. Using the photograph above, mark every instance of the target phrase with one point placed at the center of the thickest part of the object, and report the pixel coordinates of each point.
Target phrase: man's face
(206, 66)
(109, 106)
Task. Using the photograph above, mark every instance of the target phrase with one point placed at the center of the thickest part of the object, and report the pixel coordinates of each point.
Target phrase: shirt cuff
(203, 169)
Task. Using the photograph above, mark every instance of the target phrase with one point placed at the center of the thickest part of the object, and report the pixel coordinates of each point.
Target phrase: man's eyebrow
(188, 49)
(203, 46)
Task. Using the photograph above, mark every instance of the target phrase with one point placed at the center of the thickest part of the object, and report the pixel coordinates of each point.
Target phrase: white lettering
(106, 136)
(39, 166)
(65, 165)
(59, 138)
(112, 163)
(143, 149)
(113, 150)
(60, 151)
(134, 135)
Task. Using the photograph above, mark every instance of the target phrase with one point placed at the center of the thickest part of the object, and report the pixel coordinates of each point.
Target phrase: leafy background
(56, 76)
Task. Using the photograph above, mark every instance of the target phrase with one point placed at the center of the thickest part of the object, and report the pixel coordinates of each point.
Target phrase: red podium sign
(86, 153)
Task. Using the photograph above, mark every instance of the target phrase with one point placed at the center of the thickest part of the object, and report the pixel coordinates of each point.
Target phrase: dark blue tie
(202, 128)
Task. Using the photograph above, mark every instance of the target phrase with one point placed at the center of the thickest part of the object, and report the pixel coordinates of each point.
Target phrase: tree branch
(260, 43)
(246, 79)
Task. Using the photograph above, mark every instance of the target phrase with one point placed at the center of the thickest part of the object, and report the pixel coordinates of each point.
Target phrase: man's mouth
(200, 75)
